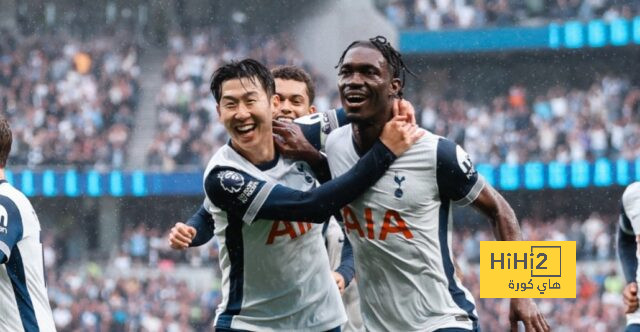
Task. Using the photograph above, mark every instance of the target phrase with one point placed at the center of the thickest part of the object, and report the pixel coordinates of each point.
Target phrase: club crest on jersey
(231, 181)
(464, 161)
(398, 179)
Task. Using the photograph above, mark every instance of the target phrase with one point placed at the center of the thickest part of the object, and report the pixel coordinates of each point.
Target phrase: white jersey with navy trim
(630, 224)
(24, 305)
(334, 238)
(400, 230)
(275, 274)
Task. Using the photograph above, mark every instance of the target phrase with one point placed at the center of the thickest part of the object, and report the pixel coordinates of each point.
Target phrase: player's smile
(355, 99)
(285, 118)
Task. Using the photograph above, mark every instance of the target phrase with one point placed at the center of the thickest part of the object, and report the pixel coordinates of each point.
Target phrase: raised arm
(459, 182)
(247, 198)
(628, 237)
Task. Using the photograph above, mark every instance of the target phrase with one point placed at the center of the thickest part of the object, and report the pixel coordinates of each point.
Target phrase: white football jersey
(630, 224)
(24, 304)
(400, 230)
(275, 274)
(334, 238)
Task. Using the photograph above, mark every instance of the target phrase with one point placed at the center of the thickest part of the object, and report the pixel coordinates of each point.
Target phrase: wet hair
(393, 57)
(5, 141)
(296, 74)
(247, 68)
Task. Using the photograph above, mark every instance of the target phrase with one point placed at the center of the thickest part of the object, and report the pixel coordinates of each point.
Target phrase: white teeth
(285, 119)
(245, 128)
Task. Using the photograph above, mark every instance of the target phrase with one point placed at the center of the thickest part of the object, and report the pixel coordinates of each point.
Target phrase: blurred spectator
(456, 14)
(561, 125)
(69, 102)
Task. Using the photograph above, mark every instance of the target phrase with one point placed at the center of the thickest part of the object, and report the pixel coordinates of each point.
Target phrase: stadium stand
(454, 14)
(564, 124)
(71, 103)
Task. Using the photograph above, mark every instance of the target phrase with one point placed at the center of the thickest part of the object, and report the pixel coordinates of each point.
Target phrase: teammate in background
(400, 228)
(275, 273)
(628, 237)
(297, 92)
(23, 292)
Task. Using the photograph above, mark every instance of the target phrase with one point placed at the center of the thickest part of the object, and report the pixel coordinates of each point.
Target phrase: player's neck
(2, 177)
(365, 134)
(260, 154)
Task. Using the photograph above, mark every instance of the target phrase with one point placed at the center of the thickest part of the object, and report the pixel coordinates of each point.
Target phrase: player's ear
(218, 110)
(312, 109)
(275, 101)
(396, 87)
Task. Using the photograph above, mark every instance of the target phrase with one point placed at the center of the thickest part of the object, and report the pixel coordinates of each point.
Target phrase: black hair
(296, 74)
(5, 141)
(393, 57)
(247, 68)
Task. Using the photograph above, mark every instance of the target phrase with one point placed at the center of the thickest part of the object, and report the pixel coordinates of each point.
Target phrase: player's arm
(459, 182)
(628, 237)
(203, 223)
(627, 246)
(347, 263)
(11, 230)
(197, 231)
(247, 198)
(291, 142)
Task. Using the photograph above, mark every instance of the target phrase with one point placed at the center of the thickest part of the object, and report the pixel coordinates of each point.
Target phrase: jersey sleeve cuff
(257, 203)
(624, 228)
(473, 193)
(5, 250)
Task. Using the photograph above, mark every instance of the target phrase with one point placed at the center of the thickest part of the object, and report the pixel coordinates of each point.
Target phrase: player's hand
(398, 135)
(404, 107)
(291, 143)
(339, 281)
(181, 236)
(630, 296)
(526, 311)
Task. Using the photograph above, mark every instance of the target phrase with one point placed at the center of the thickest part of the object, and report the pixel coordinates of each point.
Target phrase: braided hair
(393, 57)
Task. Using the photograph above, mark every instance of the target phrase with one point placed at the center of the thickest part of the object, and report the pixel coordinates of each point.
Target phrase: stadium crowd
(565, 124)
(105, 295)
(188, 132)
(461, 14)
(69, 102)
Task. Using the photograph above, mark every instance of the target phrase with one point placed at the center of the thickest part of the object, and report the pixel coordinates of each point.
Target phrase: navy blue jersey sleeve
(202, 221)
(318, 204)
(627, 248)
(347, 263)
(236, 192)
(316, 127)
(248, 198)
(10, 227)
(457, 178)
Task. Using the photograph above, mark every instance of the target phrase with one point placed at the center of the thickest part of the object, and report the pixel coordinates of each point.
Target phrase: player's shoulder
(338, 135)
(11, 195)
(631, 195)
(225, 157)
(425, 147)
